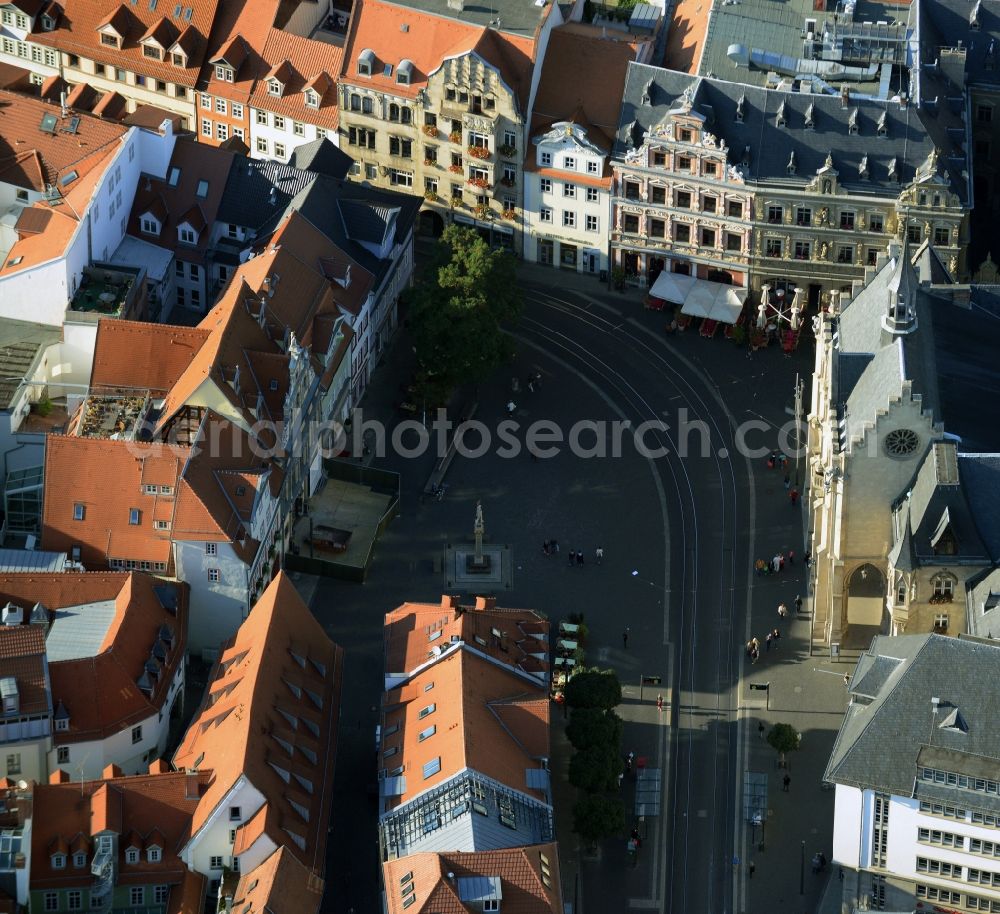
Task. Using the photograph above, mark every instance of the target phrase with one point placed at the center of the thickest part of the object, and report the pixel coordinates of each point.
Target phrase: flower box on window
(455, 136)
(430, 196)
(481, 183)
(507, 151)
(430, 162)
(507, 182)
(939, 598)
(479, 152)
(509, 214)
(430, 130)
(482, 211)
(455, 169)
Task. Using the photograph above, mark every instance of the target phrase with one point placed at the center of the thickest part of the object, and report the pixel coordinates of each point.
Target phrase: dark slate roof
(937, 499)
(981, 479)
(651, 92)
(946, 23)
(984, 605)
(247, 200)
(321, 157)
(353, 216)
(883, 735)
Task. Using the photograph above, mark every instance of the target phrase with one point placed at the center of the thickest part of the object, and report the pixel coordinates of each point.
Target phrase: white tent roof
(700, 297)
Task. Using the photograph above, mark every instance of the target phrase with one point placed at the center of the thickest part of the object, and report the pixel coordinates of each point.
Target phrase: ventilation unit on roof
(13, 614)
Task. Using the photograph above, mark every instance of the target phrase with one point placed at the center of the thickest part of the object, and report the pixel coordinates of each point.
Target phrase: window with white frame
(261, 145)
(298, 128)
(593, 167)
(220, 105)
(215, 862)
(213, 575)
(546, 158)
(279, 122)
(545, 214)
(569, 163)
(592, 193)
(211, 548)
(545, 185)
(261, 117)
(237, 110)
(221, 131)
(591, 223)
(206, 127)
(279, 150)
(569, 190)
(569, 218)
(137, 895)
(132, 855)
(161, 893)
(206, 101)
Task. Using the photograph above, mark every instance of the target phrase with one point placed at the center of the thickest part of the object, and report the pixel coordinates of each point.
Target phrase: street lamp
(802, 869)
(767, 309)
(799, 385)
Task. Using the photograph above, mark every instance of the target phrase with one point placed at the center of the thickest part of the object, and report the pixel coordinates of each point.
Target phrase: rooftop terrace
(107, 291)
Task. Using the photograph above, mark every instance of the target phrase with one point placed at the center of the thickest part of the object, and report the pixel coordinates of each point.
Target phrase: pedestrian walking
(782, 610)
(755, 655)
(572, 557)
(555, 546)
(659, 703)
(545, 547)
(511, 407)
(760, 566)
(781, 562)
(579, 557)
(786, 782)
(788, 481)
(625, 637)
(750, 649)
(776, 564)
(793, 496)
(776, 635)
(791, 556)
(847, 680)
(531, 384)
(599, 554)
(760, 729)
(798, 603)
(752, 870)
(772, 460)
(767, 641)
(807, 558)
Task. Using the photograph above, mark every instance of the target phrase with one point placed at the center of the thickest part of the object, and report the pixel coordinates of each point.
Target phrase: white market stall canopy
(700, 297)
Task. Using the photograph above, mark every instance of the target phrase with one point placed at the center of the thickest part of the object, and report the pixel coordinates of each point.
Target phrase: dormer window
(790, 167)
(149, 226)
(225, 73)
(154, 855)
(152, 52)
(178, 59)
(782, 116)
(62, 724)
(404, 72)
(274, 87)
(312, 99)
(110, 41)
(48, 23)
(882, 130)
(811, 116)
(79, 860)
(187, 235)
(852, 122)
(132, 855)
(58, 861)
(366, 62)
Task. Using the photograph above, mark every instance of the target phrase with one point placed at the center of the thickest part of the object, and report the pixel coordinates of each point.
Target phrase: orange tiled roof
(142, 803)
(77, 32)
(243, 727)
(132, 354)
(529, 880)
(279, 884)
(238, 37)
(35, 247)
(487, 718)
(101, 693)
(298, 62)
(428, 40)
(35, 158)
(517, 637)
(106, 477)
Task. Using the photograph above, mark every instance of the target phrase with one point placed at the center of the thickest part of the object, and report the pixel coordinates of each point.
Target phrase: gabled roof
(485, 717)
(524, 879)
(416, 632)
(279, 885)
(140, 803)
(280, 665)
(256, 188)
(141, 356)
(428, 39)
(892, 723)
(22, 655)
(106, 477)
(78, 32)
(47, 156)
(321, 157)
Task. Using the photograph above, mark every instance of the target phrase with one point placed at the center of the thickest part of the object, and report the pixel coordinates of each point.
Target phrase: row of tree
(595, 731)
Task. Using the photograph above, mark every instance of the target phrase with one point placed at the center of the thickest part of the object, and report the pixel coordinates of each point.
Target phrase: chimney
(845, 97)
(62, 102)
(59, 777)
(457, 5)
(13, 614)
(111, 771)
(486, 603)
(191, 789)
(159, 766)
(449, 602)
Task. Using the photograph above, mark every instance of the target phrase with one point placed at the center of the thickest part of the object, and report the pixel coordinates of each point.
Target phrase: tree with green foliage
(459, 307)
(594, 727)
(596, 816)
(783, 738)
(595, 769)
(593, 688)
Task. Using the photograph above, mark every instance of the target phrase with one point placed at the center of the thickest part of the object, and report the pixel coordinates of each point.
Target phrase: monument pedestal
(464, 570)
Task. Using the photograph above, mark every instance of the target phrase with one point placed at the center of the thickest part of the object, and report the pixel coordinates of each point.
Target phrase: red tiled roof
(132, 354)
(22, 655)
(486, 717)
(279, 885)
(77, 32)
(259, 676)
(298, 62)
(38, 158)
(107, 477)
(428, 40)
(529, 880)
(510, 636)
(141, 803)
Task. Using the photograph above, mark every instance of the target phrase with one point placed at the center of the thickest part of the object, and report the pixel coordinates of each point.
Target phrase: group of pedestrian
(775, 564)
(533, 382)
(550, 547)
(575, 555)
(780, 461)
(771, 639)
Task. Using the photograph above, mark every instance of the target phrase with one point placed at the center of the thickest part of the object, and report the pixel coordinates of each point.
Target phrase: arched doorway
(866, 593)
(431, 223)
